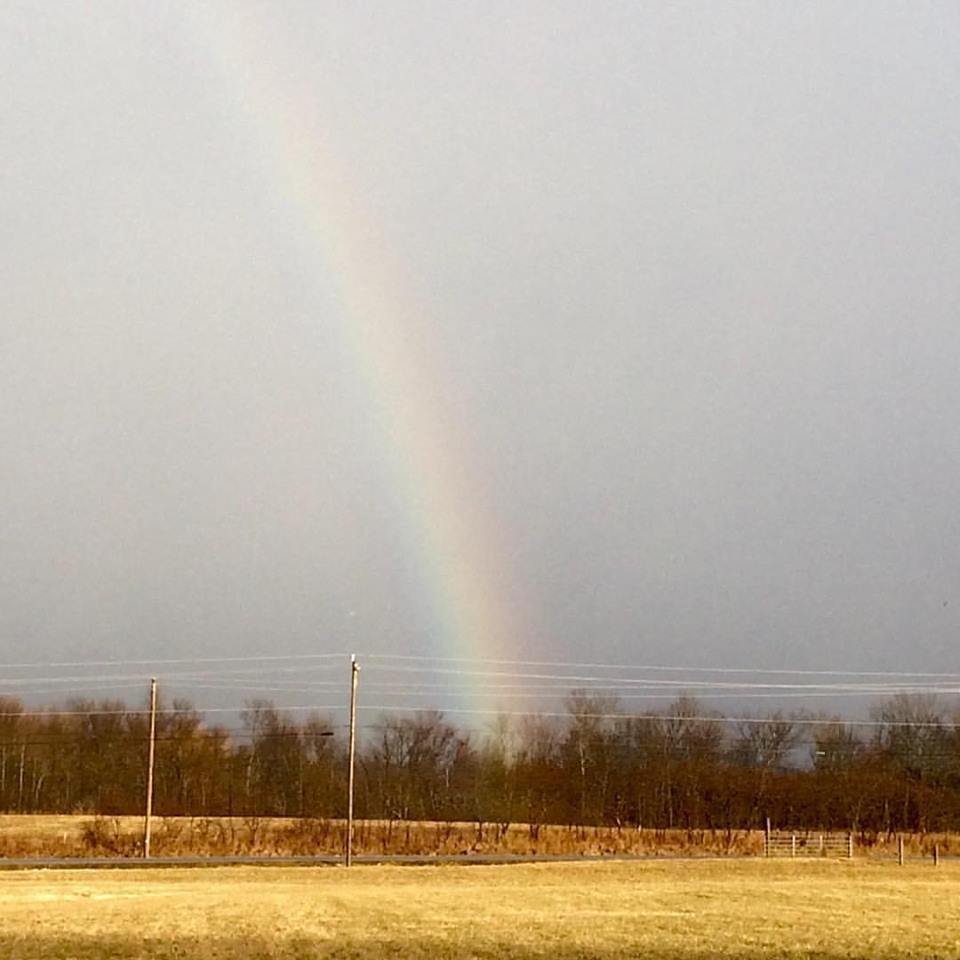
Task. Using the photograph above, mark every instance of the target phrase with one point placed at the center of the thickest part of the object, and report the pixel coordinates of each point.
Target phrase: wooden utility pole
(354, 679)
(150, 761)
(23, 764)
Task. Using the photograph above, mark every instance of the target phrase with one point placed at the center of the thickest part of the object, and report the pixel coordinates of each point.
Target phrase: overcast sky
(657, 300)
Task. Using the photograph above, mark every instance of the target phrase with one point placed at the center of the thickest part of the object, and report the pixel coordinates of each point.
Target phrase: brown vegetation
(63, 836)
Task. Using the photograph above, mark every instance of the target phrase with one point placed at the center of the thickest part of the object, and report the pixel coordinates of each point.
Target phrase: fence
(781, 843)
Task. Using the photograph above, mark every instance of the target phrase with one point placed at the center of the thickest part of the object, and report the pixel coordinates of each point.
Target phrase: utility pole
(354, 679)
(150, 761)
(23, 763)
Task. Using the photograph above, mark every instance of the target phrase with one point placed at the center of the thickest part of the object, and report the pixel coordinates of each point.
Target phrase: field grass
(679, 910)
(76, 836)
(79, 836)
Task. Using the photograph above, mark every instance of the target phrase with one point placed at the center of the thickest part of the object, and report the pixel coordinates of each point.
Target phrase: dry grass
(26, 836)
(76, 836)
(680, 910)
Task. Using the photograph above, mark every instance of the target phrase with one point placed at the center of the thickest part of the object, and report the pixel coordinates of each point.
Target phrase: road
(113, 863)
(154, 863)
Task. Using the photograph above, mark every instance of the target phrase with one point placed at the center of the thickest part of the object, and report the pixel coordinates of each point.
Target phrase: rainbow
(466, 573)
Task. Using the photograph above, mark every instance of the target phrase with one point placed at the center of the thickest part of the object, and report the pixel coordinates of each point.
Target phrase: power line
(198, 735)
(139, 678)
(394, 708)
(165, 712)
(563, 681)
(193, 737)
(164, 662)
(413, 658)
(78, 689)
(658, 667)
(578, 678)
(561, 684)
(558, 691)
(668, 718)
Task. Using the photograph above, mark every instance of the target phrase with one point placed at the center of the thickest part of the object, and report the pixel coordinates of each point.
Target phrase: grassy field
(679, 910)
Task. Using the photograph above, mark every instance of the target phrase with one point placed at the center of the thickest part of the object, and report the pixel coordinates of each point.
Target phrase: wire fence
(807, 843)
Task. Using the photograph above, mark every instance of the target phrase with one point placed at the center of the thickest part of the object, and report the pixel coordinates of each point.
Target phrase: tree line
(683, 767)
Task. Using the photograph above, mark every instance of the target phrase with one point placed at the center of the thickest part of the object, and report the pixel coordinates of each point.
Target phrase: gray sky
(676, 286)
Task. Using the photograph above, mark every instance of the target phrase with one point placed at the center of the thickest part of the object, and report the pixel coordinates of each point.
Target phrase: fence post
(793, 844)
(766, 840)
(936, 854)
(821, 845)
(900, 850)
(850, 845)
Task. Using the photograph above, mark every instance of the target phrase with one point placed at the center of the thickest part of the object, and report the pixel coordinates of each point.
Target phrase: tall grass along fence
(84, 836)
(79, 836)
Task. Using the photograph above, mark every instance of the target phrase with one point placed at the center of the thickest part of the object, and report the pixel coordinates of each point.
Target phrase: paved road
(90, 863)
(115, 863)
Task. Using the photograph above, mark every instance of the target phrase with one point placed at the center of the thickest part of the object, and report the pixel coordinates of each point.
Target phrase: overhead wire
(536, 714)
(560, 692)
(160, 712)
(579, 678)
(434, 659)
(561, 683)
(131, 678)
(658, 667)
(175, 660)
(702, 718)
(490, 684)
